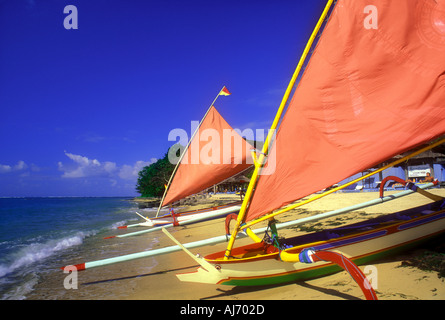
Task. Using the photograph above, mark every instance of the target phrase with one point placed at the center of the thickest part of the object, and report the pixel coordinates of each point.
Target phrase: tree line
(153, 178)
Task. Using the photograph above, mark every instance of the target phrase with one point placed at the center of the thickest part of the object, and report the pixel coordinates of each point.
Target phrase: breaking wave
(37, 252)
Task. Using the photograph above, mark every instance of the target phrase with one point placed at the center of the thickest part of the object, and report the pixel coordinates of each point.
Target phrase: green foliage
(152, 178)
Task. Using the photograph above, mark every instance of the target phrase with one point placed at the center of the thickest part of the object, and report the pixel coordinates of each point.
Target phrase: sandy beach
(154, 278)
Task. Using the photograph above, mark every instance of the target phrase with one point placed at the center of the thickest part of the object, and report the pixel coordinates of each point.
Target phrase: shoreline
(155, 278)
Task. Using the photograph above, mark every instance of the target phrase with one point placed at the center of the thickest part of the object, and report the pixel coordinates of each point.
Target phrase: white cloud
(131, 172)
(126, 172)
(109, 166)
(82, 161)
(82, 167)
(20, 166)
(5, 168)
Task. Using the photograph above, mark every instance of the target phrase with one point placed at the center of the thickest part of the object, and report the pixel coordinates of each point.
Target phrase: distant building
(233, 184)
(415, 169)
(432, 162)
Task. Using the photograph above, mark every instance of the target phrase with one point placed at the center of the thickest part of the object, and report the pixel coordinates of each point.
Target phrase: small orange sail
(373, 88)
(216, 152)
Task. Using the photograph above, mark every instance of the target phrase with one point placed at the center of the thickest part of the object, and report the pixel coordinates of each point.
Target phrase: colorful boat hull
(363, 242)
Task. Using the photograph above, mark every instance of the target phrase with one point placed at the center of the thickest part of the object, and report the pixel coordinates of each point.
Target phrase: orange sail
(216, 152)
(374, 88)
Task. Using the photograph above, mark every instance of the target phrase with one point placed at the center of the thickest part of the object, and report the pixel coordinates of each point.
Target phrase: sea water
(37, 234)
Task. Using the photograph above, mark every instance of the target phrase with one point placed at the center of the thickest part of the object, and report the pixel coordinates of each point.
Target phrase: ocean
(38, 236)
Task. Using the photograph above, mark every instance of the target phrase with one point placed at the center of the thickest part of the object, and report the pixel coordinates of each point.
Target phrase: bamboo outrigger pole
(185, 150)
(222, 238)
(271, 132)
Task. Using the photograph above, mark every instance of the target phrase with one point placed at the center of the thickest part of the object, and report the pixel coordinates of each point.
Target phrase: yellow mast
(271, 132)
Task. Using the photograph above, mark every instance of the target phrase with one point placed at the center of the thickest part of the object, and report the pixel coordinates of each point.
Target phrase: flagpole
(269, 137)
(183, 153)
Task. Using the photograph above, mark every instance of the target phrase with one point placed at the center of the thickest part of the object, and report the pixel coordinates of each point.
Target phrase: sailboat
(201, 166)
(373, 88)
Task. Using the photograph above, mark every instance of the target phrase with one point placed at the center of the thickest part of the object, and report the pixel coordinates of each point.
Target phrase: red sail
(216, 152)
(374, 88)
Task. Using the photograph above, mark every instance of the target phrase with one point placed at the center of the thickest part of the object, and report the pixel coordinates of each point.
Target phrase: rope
(274, 240)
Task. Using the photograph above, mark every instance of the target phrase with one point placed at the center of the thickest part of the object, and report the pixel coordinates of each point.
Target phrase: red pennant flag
(224, 92)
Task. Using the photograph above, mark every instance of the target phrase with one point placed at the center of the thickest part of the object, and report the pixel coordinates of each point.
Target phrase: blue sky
(82, 110)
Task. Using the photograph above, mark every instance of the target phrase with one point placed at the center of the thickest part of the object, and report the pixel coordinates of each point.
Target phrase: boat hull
(258, 265)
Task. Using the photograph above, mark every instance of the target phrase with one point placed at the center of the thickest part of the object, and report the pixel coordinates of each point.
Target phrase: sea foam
(36, 252)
